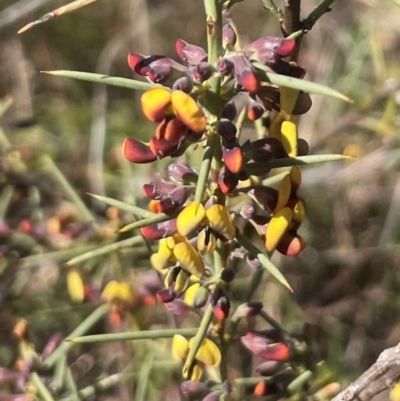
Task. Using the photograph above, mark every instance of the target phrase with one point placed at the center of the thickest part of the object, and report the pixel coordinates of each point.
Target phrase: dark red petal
(133, 59)
(163, 147)
(142, 67)
(245, 74)
(160, 230)
(157, 190)
(180, 172)
(137, 152)
(227, 181)
(226, 128)
(276, 352)
(233, 159)
(255, 111)
(175, 199)
(194, 54)
(179, 46)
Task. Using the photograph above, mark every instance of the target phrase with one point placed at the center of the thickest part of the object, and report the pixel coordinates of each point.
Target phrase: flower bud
(213, 396)
(158, 189)
(226, 128)
(255, 111)
(180, 172)
(265, 388)
(268, 368)
(227, 275)
(222, 308)
(200, 297)
(227, 181)
(229, 111)
(184, 84)
(203, 71)
(233, 159)
(194, 389)
(166, 295)
(225, 67)
(228, 36)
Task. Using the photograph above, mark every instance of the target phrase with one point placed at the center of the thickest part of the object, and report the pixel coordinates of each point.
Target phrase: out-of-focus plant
(207, 217)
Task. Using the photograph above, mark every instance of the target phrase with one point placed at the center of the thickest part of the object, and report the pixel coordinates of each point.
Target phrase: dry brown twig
(381, 376)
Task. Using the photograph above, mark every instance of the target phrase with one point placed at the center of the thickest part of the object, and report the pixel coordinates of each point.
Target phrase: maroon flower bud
(183, 84)
(142, 67)
(227, 274)
(203, 71)
(159, 74)
(265, 388)
(253, 262)
(181, 172)
(191, 53)
(267, 57)
(227, 181)
(158, 189)
(233, 159)
(225, 67)
(229, 111)
(243, 175)
(255, 111)
(303, 104)
(283, 47)
(175, 199)
(222, 308)
(52, 344)
(160, 230)
(268, 368)
(228, 36)
(226, 128)
(4, 229)
(166, 295)
(194, 389)
(193, 136)
(245, 73)
(269, 146)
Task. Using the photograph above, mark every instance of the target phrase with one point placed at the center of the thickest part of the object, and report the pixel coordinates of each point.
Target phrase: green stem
(5, 199)
(85, 326)
(272, 322)
(42, 390)
(51, 169)
(273, 9)
(213, 10)
(146, 222)
(129, 336)
(298, 383)
(322, 8)
(204, 171)
(200, 334)
(105, 249)
(57, 256)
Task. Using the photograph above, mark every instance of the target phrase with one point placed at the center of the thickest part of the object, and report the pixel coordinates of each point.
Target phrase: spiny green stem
(201, 333)
(105, 249)
(146, 222)
(145, 214)
(298, 383)
(271, 321)
(134, 335)
(316, 14)
(85, 326)
(273, 9)
(53, 171)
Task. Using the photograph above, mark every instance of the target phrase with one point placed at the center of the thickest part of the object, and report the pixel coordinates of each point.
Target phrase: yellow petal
(288, 99)
(395, 393)
(160, 262)
(155, 102)
(299, 212)
(208, 353)
(180, 347)
(206, 241)
(189, 259)
(115, 290)
(295, 177)
(182, 281)
(75, 286)
(190, 293)
(277, 228)
(274, 130)
(220, 221)
(190, 218)
(188, 111)
(284, 191)
(289, 136)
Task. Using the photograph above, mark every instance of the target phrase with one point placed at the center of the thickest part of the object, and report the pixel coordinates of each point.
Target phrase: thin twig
(273, 9)
(381, 376)
(317, 13)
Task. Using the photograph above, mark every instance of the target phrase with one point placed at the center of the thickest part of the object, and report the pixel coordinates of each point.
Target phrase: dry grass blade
(57, 12)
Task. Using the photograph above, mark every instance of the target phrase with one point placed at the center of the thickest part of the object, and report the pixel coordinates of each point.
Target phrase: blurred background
(346, 281)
